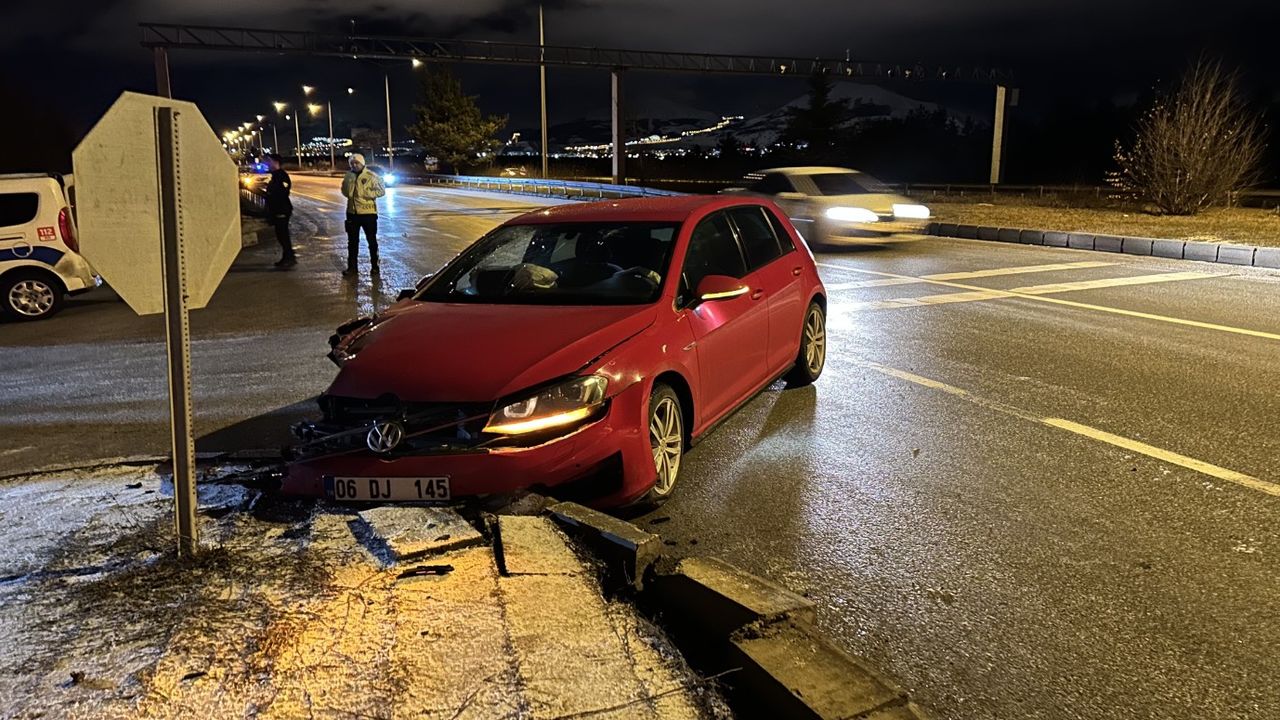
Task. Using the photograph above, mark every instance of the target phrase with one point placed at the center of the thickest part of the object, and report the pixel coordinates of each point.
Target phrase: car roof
(809, 170)
(676, 208)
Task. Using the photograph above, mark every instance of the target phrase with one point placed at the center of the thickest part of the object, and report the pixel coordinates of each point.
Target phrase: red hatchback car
(577, 350)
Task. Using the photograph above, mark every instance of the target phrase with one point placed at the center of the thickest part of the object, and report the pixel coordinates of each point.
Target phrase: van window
(18, 208)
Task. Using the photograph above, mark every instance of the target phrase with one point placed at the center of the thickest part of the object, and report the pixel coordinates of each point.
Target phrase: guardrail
(1255, 197)
(546, 188)
(252, 202)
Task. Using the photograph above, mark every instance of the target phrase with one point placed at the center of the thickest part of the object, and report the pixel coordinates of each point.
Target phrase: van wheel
(30, 295)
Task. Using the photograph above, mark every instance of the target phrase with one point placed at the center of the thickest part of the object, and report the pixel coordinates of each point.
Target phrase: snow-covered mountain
(669, 118)
(867, 102)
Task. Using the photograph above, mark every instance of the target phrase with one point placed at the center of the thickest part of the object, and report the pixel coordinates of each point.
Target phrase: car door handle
(797, 270)
(759, 293)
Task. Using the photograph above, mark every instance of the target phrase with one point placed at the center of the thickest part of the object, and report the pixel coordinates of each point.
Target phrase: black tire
(27, 295)
(666, 436)
(813, 348)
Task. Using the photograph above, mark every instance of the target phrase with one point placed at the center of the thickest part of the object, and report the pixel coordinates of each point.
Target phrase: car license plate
(397, 489)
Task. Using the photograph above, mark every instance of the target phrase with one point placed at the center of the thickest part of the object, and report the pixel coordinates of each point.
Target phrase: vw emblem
(384, 437)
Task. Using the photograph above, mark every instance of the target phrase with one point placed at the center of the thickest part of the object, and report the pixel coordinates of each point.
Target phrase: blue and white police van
(40, 262)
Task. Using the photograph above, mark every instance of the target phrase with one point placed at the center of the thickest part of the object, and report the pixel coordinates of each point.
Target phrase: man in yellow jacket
(361, 187)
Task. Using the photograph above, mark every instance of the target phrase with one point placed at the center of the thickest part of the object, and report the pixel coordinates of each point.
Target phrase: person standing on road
(280, 209)
(362, 188)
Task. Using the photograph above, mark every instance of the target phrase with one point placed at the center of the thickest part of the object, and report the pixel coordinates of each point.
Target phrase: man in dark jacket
(280, 209)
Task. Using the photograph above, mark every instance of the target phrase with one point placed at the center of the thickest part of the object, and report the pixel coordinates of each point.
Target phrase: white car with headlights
(839, 206)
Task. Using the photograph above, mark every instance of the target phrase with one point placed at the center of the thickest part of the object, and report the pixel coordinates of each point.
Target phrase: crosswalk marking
(882, 282)
(1111, 282)
(1017, 270)
(1079, 306)
(972, 294)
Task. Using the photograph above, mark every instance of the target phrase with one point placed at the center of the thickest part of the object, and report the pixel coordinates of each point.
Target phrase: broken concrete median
(298, 609)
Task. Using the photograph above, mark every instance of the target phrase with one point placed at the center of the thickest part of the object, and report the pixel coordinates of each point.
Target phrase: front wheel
(813, 348)
(666, 439)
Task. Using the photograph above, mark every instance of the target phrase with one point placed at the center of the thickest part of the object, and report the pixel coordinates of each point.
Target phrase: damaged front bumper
(605, 459)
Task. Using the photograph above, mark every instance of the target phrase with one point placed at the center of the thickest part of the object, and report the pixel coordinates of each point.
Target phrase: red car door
(774, 266)
(731, 334)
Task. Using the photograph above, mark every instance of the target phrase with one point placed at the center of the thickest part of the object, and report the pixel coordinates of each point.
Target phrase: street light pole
(297, 140)
(391, 163)
(275, 139)
(542, 76)
(329, 110)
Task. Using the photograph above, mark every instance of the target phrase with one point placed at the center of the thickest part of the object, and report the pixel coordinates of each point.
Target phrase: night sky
(65, 61)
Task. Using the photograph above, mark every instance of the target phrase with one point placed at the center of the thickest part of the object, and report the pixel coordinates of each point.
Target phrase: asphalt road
(1033, 482)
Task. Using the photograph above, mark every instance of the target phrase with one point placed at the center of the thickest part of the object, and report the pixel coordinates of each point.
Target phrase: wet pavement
(1032, 483)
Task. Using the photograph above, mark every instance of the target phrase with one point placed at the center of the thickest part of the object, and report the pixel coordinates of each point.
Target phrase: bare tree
(1196, 146)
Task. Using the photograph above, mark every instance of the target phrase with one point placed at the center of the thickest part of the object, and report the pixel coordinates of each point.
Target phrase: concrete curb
(759, 635)
(1224, 253)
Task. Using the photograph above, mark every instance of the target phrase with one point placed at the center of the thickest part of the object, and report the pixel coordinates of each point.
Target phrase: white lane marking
(1019, 270)
(15, 451)
(1151, 451)
(882, 282)
(926, 300)
(1167, 456)
(328, 201)
(1113, 282)
(989, 294)
(1083, 306)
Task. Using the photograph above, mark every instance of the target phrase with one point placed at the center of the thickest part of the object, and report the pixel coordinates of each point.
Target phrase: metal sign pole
(177, 333)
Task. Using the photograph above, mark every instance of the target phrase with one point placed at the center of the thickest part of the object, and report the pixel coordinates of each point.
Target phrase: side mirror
(720, 287)
(410, 292)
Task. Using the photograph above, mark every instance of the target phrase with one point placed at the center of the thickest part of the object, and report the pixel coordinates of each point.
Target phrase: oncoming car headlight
(556, 406)
(852, 214)
(911, 212)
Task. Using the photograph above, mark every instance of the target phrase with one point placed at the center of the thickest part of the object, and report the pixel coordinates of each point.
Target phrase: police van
(40, 262)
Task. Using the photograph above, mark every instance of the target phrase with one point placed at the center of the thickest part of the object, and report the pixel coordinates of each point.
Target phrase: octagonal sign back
(118, 207)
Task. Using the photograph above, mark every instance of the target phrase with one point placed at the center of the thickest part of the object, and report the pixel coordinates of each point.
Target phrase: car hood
(444, 352)
(880, 203)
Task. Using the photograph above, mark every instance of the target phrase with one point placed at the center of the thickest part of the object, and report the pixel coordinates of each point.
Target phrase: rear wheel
(30, 295)
(813, 348)
(666, 440)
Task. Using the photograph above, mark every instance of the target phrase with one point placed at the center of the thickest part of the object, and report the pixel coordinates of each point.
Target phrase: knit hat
(357, 157)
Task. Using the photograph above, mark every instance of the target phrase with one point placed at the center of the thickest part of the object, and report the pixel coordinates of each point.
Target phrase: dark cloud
(78, 54)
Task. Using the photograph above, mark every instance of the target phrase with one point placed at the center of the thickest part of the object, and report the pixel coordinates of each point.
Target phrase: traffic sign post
(159, 218)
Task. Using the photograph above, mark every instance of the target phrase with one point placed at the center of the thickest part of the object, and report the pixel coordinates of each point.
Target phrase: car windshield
(575, 263)
(847, 183)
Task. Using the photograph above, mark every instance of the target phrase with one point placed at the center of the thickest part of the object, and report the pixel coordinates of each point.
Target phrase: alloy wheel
(31, 298)
(666, 437)
(815, 341)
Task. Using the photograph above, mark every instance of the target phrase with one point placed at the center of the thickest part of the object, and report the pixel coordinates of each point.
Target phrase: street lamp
(315, 109)
(308, 89)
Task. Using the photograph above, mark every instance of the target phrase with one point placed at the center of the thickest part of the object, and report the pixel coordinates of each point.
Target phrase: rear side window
(712, 251)
(18, 208)
(758, 239)
(784, 237)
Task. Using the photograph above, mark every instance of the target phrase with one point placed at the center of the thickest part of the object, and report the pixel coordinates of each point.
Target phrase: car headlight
(389, 179)
(852, 214)
(556, 406)
(911, 212)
